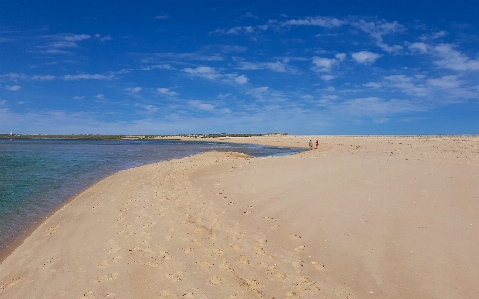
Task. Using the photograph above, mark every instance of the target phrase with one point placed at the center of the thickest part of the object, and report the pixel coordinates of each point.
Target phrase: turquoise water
(37, 175)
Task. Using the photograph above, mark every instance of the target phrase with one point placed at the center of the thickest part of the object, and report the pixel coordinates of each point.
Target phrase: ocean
(38, 175)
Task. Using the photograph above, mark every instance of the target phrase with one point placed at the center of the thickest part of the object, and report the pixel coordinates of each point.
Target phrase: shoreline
(4, 252)
(289, 226)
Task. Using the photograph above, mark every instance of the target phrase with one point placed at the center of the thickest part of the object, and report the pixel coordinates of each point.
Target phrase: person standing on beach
(310, 144)
(317, 143)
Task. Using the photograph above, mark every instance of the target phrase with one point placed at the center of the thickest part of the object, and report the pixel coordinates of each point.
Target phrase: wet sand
(359, 217)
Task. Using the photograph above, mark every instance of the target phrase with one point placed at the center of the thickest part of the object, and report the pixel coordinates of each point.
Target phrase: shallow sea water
(38, 175)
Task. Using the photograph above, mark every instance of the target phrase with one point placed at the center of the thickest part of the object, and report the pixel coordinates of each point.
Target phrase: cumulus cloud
(190, 56)
(157, 66)
(453, 59)
(407, 85)
(13, 88)
(278, 66)
(439, 34)
(166, 91)
(150, 108)
(365, 57)
(445, 82)
(258, 92)
(328, 77)
(78, 98)
(203, 72)
(58, 43)
(315, 21)
(377, 30)
(88, 77)
(133, 91)
(14, 76)
(103, 38)
(377, 107)
(322, 64)
(446, 56)
(421, 47)
(241, 79)
(77, 37)
(373, 85)
(210, 73)
(43, 77)
(237, 30)
(100, 96)
(201, 105)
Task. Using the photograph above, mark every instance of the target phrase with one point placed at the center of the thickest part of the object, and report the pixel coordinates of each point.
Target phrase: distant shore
(357, 217)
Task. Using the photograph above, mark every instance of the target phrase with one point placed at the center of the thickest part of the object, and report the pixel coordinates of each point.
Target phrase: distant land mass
(129, 137)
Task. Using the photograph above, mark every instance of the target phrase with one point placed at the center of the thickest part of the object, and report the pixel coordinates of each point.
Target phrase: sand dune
(359, 217)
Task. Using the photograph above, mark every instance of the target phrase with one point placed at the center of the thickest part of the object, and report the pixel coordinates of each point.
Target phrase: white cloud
(88, 77)
(13, 88)
(237, 30)
(200, 105)
(103, 38)
(374, 107)
(77, 37)
(43, 77)
(439, 34)
(445, 82)
(78, 98)
(365, 57)
(455, 60)
(278, 66)
(328, 77)
(322, 64)
(241, 79)
(100, 96)
(134, 92)
(150, 108)
(14, 76)
(157, 66)
(421, 47)
(258, 92)
(378, 30)
(203, 72)
(161, 17)
(447, 57)
(167, 92)
(407, 85)
(315, 21)
(373, 85)
(190, 56)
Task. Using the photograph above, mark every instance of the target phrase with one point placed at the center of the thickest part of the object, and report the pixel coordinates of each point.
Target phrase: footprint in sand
(218, 252)
(295, 237)
(203, 263)
(51, 230)
(107, 277)
(318, 265)
(102, 265)
(299, 248)
(243, 260)
(215, 280)
(187, 249)
(234, 246)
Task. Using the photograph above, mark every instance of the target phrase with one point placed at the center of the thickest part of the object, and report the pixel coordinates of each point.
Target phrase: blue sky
(302, 67)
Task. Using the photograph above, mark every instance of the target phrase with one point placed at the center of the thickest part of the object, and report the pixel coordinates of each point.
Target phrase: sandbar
(357, 217)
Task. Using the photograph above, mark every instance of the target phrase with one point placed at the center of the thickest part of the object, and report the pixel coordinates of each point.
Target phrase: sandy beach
(358, 217)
